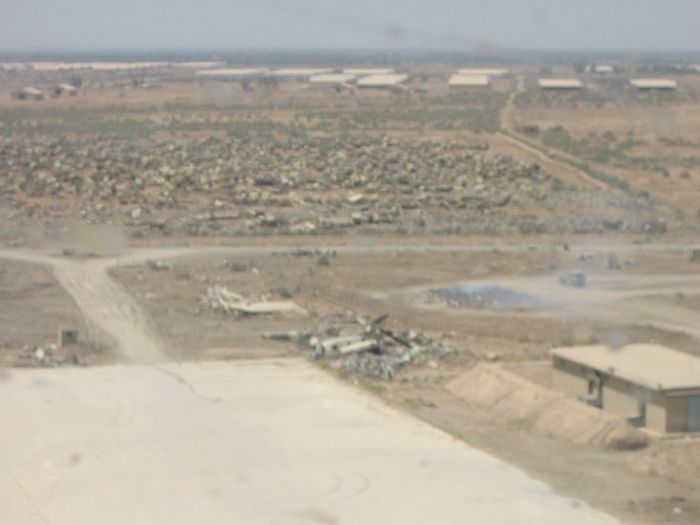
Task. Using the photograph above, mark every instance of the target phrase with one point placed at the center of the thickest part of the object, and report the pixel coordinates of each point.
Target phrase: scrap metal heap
(362, 348)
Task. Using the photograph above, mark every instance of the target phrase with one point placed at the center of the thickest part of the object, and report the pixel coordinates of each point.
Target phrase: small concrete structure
(31, 93)
(469, 81)
(67, 337)
(65, 89)
(665, 84)
(382, 81)
(649, 385)
(560, 83)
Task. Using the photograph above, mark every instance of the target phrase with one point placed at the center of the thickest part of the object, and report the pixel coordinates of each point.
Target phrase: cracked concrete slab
(273, 441)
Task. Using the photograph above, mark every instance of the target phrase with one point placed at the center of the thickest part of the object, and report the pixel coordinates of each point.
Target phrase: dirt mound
(672, 459)
(516, 399)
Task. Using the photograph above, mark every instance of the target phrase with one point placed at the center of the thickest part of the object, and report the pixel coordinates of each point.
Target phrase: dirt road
(112, 316)
(116, 318)
(545, 156)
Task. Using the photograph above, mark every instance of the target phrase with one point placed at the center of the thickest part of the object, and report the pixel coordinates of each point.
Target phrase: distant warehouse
(232, 73)
(650, 385)
(300, 73)
(560, 83)
(382, 81)
(332, 78)
(654, 83)
(469, 81)
(362, 71)
(488, 71)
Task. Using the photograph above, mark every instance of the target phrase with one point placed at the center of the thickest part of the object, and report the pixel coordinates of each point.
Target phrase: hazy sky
(435, 24)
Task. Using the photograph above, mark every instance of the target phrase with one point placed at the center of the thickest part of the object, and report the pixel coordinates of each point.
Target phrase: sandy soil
(33, 306)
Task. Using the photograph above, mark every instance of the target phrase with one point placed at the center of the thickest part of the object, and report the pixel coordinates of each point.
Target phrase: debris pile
(160, 266)
(220, 299)
(573, 280)
(44, 356)
(363, 348)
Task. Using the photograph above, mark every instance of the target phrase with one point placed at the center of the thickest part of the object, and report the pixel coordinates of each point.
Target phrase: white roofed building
(232, 73)
(488, 71)
(361, 71)
(560, 83)
(654, 83)
(469, 81)
(300, 73)
(382, 81)
(332, 78)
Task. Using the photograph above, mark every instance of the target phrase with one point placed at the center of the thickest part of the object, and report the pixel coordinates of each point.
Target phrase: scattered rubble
(160, 266)
(44, 356)
(362, 348)
(573, 280)
(220, 299)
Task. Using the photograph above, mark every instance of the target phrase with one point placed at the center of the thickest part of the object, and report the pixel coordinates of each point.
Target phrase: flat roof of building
(654, 83)
(382, 80)
(332, 78)
(232, 72)
(489, 71)
(358, 71)
(460, 80)
(653, 366)
(299, 72)
(603, 68)
(560, 83)
(199, 64)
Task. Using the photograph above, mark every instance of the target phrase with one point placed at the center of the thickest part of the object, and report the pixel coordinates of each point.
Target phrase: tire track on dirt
(108, 307)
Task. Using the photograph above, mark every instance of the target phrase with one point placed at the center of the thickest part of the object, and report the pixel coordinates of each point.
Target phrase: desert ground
(205, 238)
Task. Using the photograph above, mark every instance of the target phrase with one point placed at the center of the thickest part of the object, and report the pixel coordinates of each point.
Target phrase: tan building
(469, 81)
(654, 83)
(382, 81)
(488, 71)
(649, 385)
(560, 83)
(362, 71)
(332, 78)
(232, 73)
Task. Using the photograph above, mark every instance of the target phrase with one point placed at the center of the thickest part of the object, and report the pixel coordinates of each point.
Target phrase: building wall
(619, 397)
(656, 415)
(568, 383)
(676, 414)
(620, 400)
